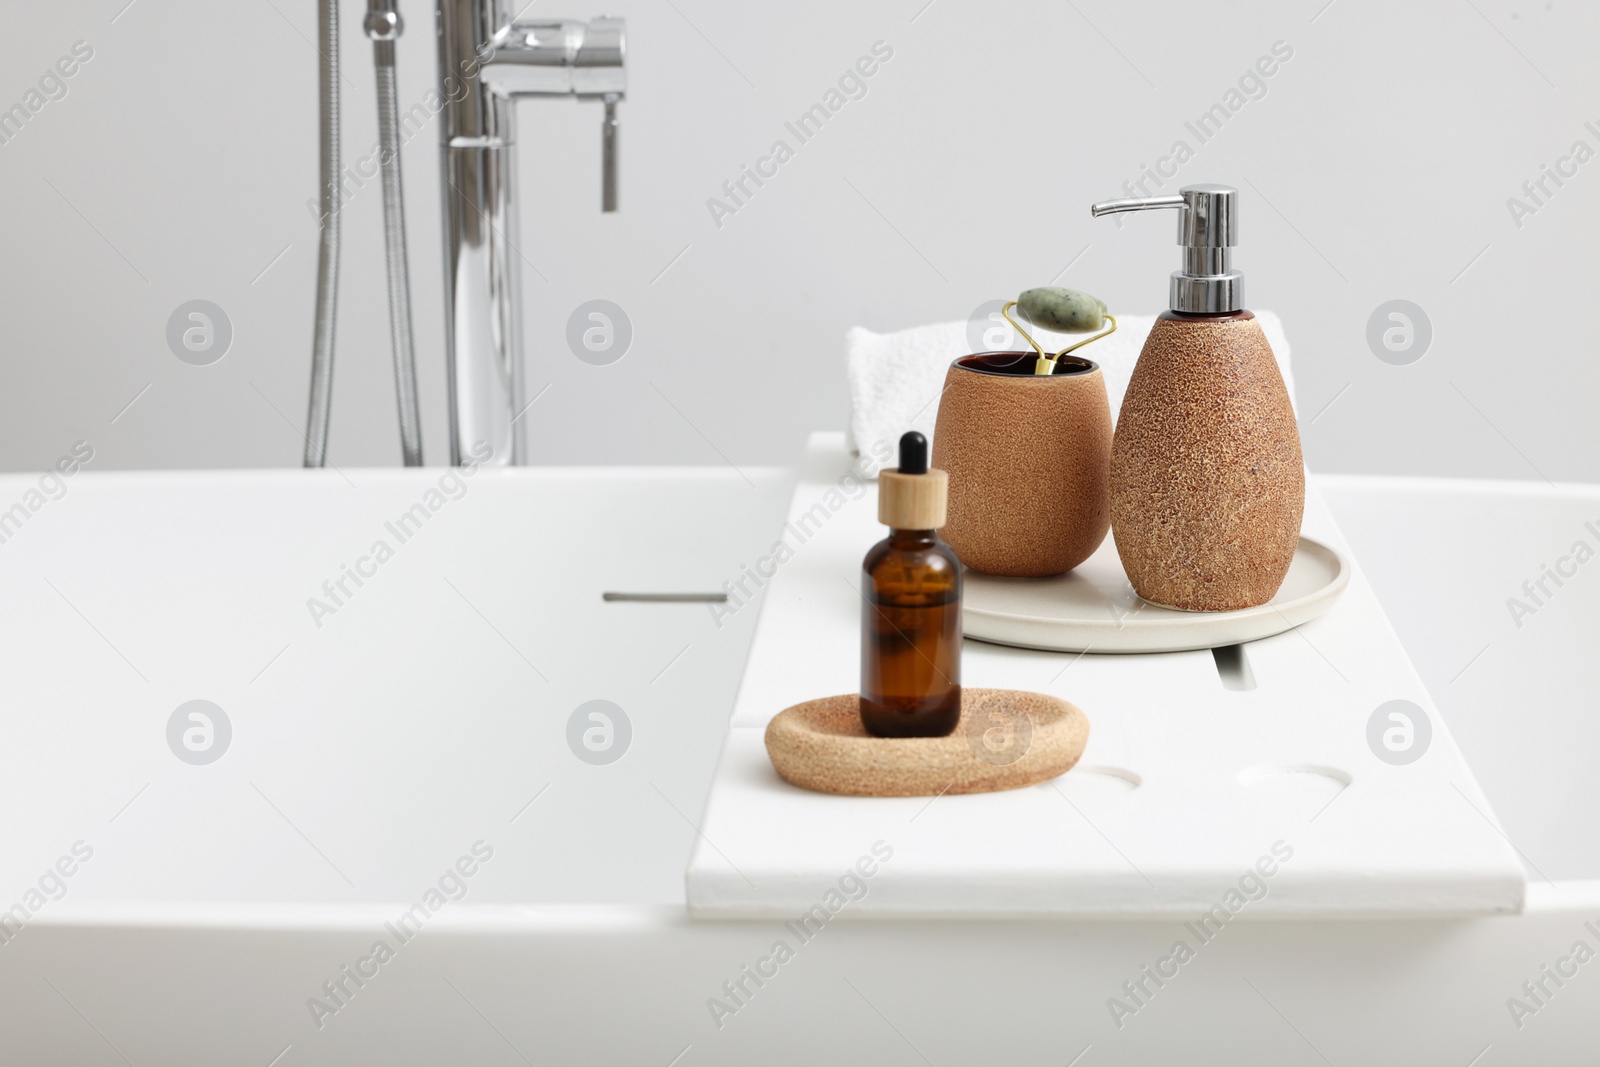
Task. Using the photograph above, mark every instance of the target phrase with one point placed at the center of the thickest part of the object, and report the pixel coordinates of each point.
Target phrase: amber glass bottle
(911, 607)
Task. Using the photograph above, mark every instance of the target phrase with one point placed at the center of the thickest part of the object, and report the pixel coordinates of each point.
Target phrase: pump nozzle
(1208, 230)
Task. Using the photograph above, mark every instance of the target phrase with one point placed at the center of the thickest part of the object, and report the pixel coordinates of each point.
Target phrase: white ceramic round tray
(1093, 608)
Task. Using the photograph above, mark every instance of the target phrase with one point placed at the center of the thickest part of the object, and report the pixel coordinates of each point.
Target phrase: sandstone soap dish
(1093, 608)
(1006, 739)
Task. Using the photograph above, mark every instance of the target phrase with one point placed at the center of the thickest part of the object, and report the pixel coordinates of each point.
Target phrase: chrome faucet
(487, 59)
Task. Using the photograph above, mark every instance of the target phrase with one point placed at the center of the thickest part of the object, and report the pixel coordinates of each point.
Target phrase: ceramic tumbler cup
(1029, 459)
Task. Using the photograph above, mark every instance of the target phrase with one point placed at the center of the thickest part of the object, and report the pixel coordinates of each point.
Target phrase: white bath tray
(1197, 769)
(1093, 608)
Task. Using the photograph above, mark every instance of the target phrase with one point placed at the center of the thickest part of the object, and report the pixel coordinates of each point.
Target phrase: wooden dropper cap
(913, 497)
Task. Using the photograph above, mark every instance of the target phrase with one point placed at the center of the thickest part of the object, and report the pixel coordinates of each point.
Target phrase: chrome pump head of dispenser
(1208, 230)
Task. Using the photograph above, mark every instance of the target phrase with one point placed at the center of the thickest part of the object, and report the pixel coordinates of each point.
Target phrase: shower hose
(383, 25)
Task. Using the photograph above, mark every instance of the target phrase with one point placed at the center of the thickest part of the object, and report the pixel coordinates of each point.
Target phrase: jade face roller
(1062, 310)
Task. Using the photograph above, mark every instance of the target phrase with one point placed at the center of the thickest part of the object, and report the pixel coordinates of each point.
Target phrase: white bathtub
(572, 945)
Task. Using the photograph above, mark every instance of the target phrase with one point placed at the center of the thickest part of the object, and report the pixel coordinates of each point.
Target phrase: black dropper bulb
(913, 453)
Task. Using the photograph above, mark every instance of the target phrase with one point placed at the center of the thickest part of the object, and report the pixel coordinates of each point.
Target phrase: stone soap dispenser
(911, 606)
(1207, 483)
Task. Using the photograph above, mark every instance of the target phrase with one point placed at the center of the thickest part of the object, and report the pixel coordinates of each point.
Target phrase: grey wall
(1377, 166)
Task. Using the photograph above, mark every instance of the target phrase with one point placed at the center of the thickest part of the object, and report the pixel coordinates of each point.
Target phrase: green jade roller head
(1062, 310)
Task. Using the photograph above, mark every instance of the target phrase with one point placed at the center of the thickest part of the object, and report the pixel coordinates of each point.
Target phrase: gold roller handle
(1046, 364)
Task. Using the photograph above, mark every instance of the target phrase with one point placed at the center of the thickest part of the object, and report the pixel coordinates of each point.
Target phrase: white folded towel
(896, 378)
